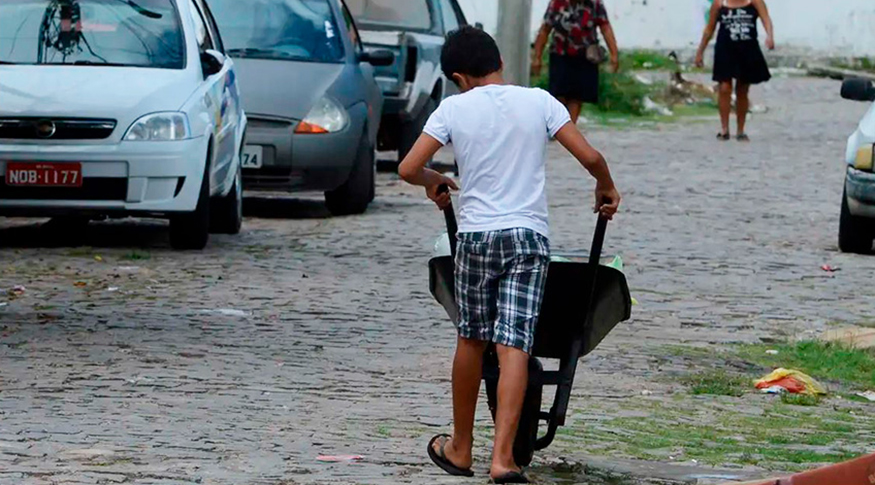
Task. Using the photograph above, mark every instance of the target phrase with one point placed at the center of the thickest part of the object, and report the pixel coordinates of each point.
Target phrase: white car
(857, 223)
(117, 108)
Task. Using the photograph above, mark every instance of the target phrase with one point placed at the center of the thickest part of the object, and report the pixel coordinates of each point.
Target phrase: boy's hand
(700, 60)
(607, 201)
(442, 200)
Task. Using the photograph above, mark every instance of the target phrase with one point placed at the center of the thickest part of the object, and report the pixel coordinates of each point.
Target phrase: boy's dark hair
(470, 51)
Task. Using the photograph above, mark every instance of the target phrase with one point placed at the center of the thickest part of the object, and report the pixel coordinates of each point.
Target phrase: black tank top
(738, 24)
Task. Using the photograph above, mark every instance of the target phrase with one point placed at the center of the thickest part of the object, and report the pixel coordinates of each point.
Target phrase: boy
(499, 135)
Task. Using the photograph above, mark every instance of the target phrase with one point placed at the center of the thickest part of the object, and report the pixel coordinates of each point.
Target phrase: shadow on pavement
(267, 207)
(134, 233)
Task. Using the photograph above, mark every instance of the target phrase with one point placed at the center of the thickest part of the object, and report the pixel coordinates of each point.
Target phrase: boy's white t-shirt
(499, 135)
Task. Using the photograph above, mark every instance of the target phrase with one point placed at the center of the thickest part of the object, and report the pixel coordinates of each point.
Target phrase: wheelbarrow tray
(564, 310)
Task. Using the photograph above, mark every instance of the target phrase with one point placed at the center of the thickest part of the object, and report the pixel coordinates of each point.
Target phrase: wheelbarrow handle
(450, 218)
(598, 241)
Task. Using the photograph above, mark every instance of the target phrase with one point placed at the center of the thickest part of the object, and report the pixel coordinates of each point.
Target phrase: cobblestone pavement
(126, 362)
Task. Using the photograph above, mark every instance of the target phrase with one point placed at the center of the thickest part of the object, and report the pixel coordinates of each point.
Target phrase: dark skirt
(742, 61)
(575, 78)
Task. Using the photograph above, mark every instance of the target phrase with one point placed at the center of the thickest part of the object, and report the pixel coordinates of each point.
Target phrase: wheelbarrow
(583, 302)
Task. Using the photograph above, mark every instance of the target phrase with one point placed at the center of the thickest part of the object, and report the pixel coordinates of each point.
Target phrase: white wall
(837, 27)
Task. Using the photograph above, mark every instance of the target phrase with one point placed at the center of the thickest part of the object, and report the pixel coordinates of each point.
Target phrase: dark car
(414, 84)
(310, 94)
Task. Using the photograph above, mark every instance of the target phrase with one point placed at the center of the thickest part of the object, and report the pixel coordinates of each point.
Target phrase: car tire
(411, 130)
(855, 233)
(226, 213)
(354, 196)
(192, 230)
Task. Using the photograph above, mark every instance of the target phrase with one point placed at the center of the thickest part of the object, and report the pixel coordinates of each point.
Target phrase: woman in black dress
(574, 24)
(737, 55)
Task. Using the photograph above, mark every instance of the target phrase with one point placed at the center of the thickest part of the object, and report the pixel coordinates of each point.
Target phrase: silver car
(413, 85)
(310, 95)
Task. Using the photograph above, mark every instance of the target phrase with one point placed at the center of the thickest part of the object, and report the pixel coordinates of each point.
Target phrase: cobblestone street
(125, 362)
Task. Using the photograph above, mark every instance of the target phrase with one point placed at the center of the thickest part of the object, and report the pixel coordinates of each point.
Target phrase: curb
(837, 73)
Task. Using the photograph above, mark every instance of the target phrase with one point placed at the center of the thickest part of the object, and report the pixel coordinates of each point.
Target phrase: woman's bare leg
(725, 94)
(574, 108)
(742, 105)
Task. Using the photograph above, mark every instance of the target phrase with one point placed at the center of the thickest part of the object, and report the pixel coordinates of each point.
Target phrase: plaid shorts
(500, 279)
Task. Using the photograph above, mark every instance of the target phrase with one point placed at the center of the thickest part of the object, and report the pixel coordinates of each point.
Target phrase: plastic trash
(793, 381)
(617, 263)
(16, 291)
(830, 269)
(339, 458)
(772, 352)
(868, 395)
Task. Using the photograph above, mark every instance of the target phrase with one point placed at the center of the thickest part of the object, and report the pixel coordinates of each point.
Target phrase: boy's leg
(512, 384)
(467, 372)
(477, 297)
(574, 109)
(521, 291)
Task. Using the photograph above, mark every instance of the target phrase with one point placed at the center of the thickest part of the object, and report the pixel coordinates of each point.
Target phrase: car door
(373, 93)
(221, 91)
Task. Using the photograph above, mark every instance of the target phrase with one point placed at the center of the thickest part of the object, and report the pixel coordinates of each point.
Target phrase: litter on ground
(792, 381)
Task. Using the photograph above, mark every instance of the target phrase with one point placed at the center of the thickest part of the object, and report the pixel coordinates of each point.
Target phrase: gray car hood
(285, 89)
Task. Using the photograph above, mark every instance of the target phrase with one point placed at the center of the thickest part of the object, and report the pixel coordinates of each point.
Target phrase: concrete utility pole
(514, 39)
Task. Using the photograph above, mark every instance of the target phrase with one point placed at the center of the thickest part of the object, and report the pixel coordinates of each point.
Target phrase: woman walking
(575, 53)
(737, 56)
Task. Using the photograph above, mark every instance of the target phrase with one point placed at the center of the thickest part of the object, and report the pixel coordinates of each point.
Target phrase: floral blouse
(575, 25)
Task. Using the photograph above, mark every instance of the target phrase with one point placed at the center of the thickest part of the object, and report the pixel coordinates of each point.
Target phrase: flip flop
(724, 136)
(444, 463)
(743, 137)
(511, 477)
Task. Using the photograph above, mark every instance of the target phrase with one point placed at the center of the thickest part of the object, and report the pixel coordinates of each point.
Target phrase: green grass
(717, 383)
(777, 437)
(821, 360)
(137, 256)
(621, 95)
(800, 399)
(856, 64)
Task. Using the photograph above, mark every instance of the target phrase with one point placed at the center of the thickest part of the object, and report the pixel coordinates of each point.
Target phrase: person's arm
(767, 22)
(709, 32)
(611, 40)
(607, 199)
(538, 52)
(414, 172)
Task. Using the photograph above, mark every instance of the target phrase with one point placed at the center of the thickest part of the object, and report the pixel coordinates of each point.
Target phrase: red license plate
(44, 174)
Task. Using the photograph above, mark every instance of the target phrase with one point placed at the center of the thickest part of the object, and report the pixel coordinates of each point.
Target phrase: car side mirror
(212, 62)
(478, 25)
(378, 58)
(856, 89)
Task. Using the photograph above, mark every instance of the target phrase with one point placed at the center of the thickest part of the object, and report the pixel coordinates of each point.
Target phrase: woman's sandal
(441, 460)
(743, 137)
(724, 136)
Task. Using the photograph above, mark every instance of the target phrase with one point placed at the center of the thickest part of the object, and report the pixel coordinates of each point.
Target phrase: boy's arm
(607, 199)
(413, 171)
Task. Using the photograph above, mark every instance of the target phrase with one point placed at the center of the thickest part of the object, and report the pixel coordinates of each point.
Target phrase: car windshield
(397, 14)
(302, 30)
(136, 33)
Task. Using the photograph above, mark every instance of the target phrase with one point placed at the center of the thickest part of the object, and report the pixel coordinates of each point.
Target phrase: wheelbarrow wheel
(527, 431)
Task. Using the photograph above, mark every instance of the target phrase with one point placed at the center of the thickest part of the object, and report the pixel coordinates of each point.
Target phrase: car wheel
(354, 196)
(411, 131)
(226, 213)
(855, 233)
(192, 230)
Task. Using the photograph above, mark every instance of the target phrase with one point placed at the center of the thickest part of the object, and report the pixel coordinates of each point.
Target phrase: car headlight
(865, 158)
(159, 127)
(326, 117)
